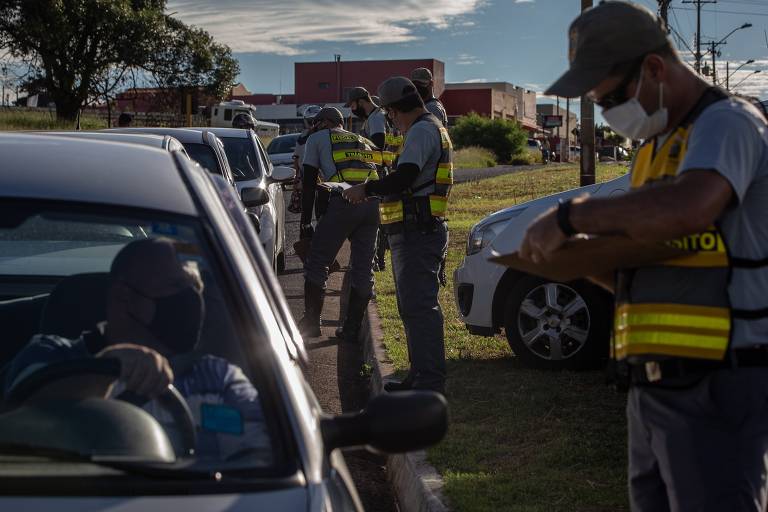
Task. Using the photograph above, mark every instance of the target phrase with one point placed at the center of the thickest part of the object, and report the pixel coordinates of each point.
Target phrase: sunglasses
(619, 93)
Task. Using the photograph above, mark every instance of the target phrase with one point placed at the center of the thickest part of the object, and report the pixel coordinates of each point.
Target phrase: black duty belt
(659, 372)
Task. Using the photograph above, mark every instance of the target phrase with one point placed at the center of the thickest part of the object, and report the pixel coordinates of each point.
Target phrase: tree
(78, 49)
(502, 136)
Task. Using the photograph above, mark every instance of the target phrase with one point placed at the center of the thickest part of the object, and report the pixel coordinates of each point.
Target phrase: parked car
(280, 149)
(547, 324)
(252, 168)
(165, 142)
(612, 154)
(64, 215)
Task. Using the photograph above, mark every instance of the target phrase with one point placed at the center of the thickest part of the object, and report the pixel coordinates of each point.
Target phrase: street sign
(552, 121)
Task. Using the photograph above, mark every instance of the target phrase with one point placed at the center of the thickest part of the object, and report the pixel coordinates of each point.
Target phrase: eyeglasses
(619, 94)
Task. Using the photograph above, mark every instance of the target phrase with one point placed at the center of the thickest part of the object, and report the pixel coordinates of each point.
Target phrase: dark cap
(329, 114)
(603, 37)
(376, 100)
(394, 89)
(357, 93)
(422, 76)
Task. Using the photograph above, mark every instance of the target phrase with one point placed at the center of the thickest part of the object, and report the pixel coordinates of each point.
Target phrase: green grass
(43, 120)
(519, 439)
(473, 157)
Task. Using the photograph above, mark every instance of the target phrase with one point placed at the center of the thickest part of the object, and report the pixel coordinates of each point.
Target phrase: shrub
(502, 136)
(473, 157)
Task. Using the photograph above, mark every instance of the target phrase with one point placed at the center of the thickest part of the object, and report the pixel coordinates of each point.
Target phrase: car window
(243, 160)
(284, 144)
(75, 281)
(204, 155)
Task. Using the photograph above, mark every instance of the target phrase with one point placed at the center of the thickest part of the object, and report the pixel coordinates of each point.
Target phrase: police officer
(692, 331)
(413, 209)
(335, 158)
(422, 79)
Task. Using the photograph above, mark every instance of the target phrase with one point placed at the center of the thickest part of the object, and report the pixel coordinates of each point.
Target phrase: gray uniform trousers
(700, 448)
(360, 224)
(416, 259)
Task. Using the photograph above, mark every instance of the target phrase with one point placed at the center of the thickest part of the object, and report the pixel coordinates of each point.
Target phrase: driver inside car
(155, 311)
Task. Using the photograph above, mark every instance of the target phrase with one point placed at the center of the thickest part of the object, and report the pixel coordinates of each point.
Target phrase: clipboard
(582, 257)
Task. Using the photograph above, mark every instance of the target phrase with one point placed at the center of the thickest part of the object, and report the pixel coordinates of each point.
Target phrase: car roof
(233, 133)
(288, 135)
(183, 135)
(37, 166)
(147, 139)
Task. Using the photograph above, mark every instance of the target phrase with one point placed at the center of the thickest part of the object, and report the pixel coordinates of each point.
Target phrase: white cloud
(290, 27)
(475, 81)
(465, 59)
(524, 1)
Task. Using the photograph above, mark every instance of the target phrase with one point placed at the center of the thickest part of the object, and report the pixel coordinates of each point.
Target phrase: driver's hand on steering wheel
(144, 371)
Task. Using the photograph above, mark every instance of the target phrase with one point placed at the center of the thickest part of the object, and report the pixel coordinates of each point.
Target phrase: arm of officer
(665, 211)
(308, 197)
(379, 139)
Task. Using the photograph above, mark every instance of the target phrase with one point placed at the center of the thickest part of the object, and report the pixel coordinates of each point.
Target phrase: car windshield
(284, 144)
(80, 286)
(243, 161)
(204, 155)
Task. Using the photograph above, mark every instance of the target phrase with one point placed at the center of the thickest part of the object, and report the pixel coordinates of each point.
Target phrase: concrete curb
(418, 486)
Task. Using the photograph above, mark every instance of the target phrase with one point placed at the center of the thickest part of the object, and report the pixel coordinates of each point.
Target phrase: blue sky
(520, 41)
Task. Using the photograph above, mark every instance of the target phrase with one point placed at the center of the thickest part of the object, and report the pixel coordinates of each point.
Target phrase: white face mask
(631, 120)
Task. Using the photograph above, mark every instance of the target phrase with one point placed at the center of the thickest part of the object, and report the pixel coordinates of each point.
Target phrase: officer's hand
(356, 194)
(306, 233)
(144, 371)
(542, 238)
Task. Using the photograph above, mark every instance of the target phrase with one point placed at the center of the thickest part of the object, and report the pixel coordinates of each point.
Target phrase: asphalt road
(335, 372)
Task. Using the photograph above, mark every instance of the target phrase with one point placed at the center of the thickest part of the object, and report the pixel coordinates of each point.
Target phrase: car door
(276, 196)
(218, 147)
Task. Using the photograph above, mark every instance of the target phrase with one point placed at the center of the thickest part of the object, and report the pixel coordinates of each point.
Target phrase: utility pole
(587, 165)
(727, 76)
(698, 4)
(713, 50)
(567, 155)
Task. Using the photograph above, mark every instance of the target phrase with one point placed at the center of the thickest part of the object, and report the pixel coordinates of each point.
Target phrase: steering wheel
(170, 399)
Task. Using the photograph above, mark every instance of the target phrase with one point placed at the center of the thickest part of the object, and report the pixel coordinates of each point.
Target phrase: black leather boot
(350, 330)
(314, 296)
(404, 385)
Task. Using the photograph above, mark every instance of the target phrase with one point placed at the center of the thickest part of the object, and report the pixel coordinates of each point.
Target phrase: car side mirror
(254, 196)
(282, 173)
(391, 423)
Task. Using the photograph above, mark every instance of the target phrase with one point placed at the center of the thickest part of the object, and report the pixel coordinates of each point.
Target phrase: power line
(698, 4)
(723, 12)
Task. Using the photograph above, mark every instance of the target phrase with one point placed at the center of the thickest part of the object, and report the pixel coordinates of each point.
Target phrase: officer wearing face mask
(692, 332)
(422, 79)
(155, 312)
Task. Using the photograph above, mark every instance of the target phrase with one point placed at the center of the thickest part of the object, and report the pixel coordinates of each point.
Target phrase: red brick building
(328, 82)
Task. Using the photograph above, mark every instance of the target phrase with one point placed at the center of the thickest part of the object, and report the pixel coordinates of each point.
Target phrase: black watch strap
(564, 218)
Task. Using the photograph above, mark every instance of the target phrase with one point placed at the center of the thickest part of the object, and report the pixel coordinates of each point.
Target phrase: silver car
(67, 208)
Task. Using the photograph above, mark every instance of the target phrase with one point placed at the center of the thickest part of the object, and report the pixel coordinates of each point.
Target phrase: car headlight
(481, 236)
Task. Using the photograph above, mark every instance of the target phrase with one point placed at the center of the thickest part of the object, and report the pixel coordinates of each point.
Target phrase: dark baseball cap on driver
(603, 37)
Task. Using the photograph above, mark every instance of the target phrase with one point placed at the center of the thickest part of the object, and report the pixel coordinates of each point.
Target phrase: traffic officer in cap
(692, 332)
(336, 158)
(422, 79)
(413, 209)
(378, 130)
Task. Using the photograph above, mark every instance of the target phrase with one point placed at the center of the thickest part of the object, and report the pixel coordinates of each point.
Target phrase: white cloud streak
(290, 27)
(465, 59)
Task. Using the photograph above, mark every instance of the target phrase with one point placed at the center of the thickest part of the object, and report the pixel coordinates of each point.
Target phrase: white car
(280, 149)
(547, 324)
(252, 168)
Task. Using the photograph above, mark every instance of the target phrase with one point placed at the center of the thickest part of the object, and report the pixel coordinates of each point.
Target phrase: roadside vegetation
(43, 120)
(519, 439)
(473, 157)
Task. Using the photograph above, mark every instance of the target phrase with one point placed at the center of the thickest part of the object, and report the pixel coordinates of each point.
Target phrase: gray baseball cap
(394, 89)
(358, 93)
(603, 37)
(421, 76)
(329, 114)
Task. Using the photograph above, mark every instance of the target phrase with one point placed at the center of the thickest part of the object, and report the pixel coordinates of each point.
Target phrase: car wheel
(557, 326)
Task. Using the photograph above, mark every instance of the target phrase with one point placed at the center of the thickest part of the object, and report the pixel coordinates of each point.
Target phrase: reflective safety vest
(354, 158)
(680, 307)
(436, 188)
(393, 145)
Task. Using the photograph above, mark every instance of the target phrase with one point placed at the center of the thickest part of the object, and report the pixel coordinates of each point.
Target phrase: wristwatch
(564, 218)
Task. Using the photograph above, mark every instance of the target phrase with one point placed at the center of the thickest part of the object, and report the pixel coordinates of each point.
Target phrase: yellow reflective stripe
(444, 174)
(671, 329)
(387, 157)
(351, 155)
(701, 259)
(393, 140)
(391, 212)
(445, 138)
(438, 205)
(338, 138)
(359, 174)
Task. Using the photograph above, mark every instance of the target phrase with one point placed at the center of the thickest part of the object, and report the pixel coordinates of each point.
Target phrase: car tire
(557, 326)
(280, 265)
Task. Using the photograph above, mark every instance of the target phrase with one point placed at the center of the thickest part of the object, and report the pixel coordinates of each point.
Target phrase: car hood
(286, 499)
(521, 215)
